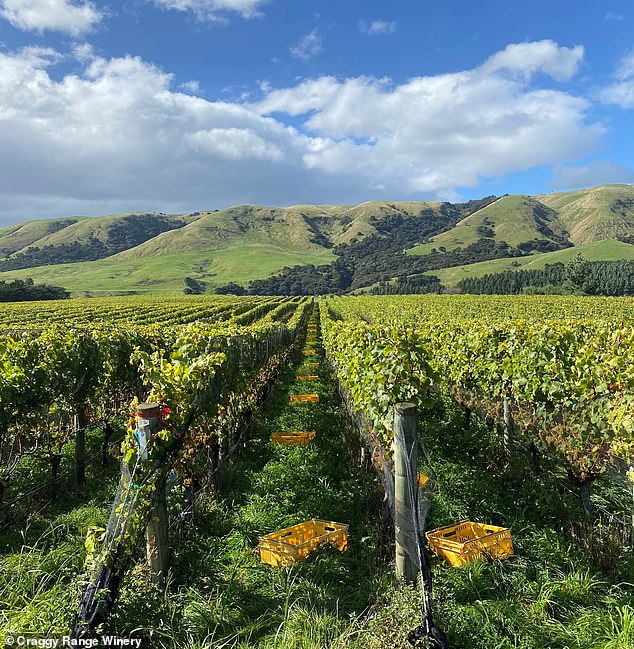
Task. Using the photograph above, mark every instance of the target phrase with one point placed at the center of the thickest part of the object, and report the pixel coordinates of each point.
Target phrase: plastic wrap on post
(406, 492)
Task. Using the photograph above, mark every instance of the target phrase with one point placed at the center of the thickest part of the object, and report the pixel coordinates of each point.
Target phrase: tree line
(580, 277)
(25, 290)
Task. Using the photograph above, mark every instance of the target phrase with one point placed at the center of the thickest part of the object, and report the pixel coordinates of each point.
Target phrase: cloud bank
(116, 136)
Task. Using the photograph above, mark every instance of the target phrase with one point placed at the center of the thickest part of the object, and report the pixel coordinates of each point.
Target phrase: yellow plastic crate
(294, 437)
(311, 343)
(463, 542)
(309, 352)
(304, 398)
(293, 544)
(307, 377)
(422, 480)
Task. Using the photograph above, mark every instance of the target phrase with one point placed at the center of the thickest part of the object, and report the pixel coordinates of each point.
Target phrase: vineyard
(525, 415)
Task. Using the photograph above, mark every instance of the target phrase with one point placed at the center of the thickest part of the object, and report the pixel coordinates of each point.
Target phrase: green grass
(42, 542)
(597, 251)
(165, 273)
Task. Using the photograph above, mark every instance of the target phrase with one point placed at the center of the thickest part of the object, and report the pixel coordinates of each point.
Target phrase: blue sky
(184, 105)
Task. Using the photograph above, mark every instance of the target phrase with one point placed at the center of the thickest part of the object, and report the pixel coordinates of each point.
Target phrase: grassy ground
(42, 542)
(165, 273)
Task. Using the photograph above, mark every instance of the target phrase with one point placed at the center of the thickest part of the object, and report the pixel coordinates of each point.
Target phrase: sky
(189, 105)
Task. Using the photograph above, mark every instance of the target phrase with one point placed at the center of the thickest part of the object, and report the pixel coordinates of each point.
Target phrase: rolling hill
(516, 219)
(604, 212)
(81, 239)
(20, 236)
(350, 245)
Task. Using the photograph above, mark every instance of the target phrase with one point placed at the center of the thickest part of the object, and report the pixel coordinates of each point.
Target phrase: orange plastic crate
(465, 541)
(293, 544)
(304, 398)
(294, 437)
(307, 377)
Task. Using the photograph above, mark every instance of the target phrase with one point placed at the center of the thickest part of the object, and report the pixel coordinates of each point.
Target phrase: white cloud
(621, 92)
(561, 63)
(116, 136)
(594, 173)
(214, 10)
(434, 134)
(308, 46)
(51, 15)
(376, 27)
(613, 16)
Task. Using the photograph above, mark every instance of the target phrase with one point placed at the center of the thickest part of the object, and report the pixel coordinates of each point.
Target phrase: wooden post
(406, 491)
(157, 536)
(157, 531)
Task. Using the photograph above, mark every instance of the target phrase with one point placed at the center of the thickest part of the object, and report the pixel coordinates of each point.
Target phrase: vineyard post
(405, 491)
(157, 530)
(157, 535)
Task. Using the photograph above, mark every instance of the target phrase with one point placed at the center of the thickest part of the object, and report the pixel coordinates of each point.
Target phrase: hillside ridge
(365, 241)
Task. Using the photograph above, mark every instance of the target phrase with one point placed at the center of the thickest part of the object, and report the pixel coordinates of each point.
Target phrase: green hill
(302, 228)
(243, 225)
(603, 212)
(516, 219)
(16, 237)
(84, 239)
(360, 244)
